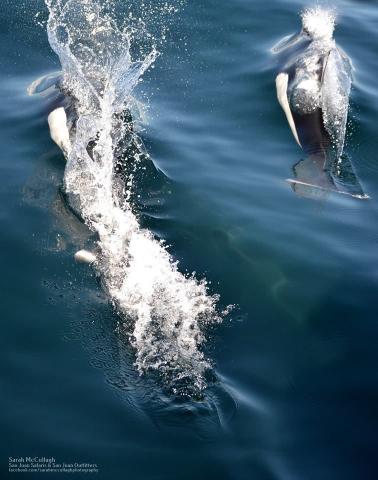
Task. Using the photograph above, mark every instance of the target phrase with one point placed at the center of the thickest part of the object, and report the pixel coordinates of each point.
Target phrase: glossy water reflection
(294, 391)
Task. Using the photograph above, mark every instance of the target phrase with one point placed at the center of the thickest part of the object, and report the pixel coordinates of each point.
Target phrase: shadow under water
(313, 178)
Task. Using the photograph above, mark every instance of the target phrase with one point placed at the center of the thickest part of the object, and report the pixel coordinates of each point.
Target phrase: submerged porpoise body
(62, 119)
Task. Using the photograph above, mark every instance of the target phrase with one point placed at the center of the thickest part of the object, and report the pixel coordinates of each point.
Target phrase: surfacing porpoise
(313, 86)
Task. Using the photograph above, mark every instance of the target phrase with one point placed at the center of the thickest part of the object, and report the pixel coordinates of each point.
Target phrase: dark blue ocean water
(295, 395)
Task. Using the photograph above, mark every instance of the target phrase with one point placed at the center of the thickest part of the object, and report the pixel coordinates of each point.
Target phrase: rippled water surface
(287, 382)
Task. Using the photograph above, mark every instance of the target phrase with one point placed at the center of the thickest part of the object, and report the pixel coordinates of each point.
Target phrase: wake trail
(164, 312)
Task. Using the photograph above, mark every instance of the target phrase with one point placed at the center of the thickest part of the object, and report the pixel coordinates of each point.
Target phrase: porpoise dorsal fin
(282, 80)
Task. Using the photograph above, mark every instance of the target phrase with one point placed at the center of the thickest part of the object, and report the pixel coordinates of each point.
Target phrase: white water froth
(164, 312)
(319, 22)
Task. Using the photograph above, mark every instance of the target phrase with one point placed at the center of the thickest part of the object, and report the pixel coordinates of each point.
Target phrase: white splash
(164, 312)
(319, 22)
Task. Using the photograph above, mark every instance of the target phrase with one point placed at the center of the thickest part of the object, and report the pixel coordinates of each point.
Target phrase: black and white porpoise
(313, 86)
